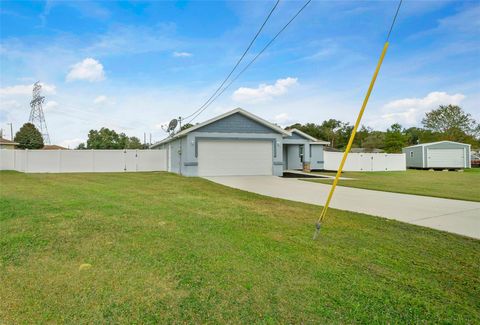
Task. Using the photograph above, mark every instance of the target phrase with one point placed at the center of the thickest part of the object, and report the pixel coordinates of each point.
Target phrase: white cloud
(71, 143)
(463, 21)
(281, 118)
(182, 54)
(10, 103)
(51, 104)
(100, 99)
(264, 92)
(26, 90)
(410, 111)
(89, 69)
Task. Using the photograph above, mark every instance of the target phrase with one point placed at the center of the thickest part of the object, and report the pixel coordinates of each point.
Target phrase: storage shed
(442, 154)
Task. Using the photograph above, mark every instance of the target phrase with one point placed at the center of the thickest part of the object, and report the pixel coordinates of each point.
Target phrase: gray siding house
(302, 151)
(240, 143)
(442, 154)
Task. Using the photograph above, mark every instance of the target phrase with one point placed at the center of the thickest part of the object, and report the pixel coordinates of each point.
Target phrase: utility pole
(11, 131)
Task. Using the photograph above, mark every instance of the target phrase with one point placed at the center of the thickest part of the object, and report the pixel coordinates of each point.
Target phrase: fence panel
(19, 160)
(7, 159)
(78, 161)
(379, 162)
(361, 161)
(397, 162)
(109, 160)
(365, 161)
(42, 161)
(131, 160)
(152, 160)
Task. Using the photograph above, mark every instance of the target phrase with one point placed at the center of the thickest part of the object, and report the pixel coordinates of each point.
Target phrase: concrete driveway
(459, 217)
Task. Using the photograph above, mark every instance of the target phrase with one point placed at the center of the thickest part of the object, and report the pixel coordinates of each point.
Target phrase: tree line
(447, 122)
(29, 137)
(109, 139)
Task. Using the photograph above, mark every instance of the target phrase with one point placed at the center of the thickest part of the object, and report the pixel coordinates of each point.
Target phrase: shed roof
(437, 142)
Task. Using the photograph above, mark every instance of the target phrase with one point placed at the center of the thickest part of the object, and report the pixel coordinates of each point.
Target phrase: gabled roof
(219, 117)
(430, 143)
(5, 141)
(308, 137)
(303, 134)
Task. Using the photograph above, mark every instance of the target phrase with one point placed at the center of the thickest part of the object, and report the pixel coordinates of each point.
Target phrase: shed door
(445, 158)
(234, 157)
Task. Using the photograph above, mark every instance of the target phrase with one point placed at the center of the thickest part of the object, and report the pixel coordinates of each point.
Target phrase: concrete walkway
(459, 217)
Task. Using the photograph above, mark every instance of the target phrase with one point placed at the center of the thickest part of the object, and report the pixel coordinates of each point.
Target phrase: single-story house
(7, 144)
(240, 143)
(441, 154)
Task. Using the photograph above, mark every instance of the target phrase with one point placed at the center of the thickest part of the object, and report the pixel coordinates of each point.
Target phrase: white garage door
(234, 157)
(445, 158)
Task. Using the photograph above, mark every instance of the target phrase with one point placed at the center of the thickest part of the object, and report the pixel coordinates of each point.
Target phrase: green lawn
(451, 185)
(169, 249)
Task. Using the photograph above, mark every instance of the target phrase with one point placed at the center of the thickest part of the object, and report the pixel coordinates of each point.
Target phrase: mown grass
(451, 185)
(169, 249)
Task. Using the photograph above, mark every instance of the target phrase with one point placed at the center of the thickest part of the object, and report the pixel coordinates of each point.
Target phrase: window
(411, 154)
(300, 152)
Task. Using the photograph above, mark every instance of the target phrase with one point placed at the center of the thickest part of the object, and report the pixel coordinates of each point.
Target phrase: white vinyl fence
(366, 162)
(78, 161)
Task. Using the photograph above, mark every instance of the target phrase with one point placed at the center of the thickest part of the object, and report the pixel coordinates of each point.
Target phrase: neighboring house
(7, 144)
(240, 143)
(53, 147)
(442, 154)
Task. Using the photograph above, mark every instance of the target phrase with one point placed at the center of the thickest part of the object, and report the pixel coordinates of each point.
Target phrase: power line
(354, 130)
(239, 60)
(394, 20)
(250, 63)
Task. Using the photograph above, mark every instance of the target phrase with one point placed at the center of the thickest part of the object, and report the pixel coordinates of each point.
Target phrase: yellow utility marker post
(354, 131)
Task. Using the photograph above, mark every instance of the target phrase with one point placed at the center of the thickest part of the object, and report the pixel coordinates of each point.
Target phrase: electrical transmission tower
(36, 114)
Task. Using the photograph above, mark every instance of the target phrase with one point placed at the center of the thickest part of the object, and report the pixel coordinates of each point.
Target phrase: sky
(133, 66)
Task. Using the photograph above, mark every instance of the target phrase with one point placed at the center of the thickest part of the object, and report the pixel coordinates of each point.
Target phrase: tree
(134, 143)
(419, 135)
(81, 146)
(452, 121)
(361, 136)
(109, 139)
(375, 140)
(186, 126)
(395, 139)
(334, 131)
(28, 137)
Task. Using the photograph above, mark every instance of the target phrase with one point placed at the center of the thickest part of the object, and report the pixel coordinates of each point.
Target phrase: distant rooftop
(5, 141)
(53, 147)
